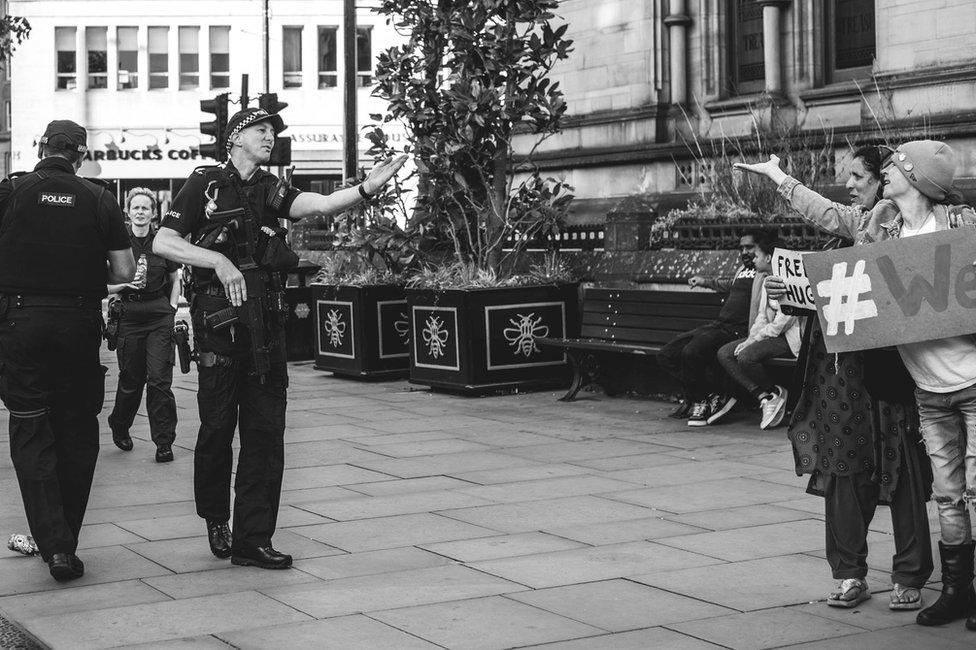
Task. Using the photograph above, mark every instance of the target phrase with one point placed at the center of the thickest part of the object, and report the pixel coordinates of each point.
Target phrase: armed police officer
(56, 233)
(146, 310)
(230, 214)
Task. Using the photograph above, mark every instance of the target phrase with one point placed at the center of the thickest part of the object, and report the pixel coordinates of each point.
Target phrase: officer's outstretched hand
(233, 281)
(381, 174)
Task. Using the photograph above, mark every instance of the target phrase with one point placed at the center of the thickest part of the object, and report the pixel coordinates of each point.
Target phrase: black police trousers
(230, 397)
(146, 357)
(53, 385)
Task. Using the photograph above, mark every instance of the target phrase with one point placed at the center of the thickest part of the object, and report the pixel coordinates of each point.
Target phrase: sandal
(905, 597)
(851, 593)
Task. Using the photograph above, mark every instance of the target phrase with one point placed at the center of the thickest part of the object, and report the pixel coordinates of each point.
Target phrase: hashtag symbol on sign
(843, 293)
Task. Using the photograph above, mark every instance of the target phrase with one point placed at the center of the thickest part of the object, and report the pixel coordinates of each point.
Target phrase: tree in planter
(473, 74)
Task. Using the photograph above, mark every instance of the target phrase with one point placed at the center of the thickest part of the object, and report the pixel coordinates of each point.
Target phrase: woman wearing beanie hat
(917, 179)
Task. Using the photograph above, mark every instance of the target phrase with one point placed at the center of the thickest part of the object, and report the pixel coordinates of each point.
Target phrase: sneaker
(681, 410)
(773, 408)
(720, 406)
(23, 544)
(699, 414)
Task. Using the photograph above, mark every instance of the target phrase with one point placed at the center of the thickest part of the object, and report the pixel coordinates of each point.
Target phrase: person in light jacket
(772, 334)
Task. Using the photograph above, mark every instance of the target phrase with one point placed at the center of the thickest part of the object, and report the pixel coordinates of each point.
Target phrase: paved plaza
(425, 520)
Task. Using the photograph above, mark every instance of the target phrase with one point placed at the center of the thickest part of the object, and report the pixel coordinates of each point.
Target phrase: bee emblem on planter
(402, 327)
(335, 328)
(435, 336)
(526, 329)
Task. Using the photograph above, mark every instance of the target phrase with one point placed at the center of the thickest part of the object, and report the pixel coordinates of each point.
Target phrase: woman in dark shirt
(145, 340)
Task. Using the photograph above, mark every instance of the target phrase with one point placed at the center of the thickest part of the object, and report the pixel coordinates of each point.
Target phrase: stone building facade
(651, 81)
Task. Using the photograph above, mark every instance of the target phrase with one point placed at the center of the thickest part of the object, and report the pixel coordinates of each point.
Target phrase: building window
(189, 38)
(850, 39)
(128, 39)
(65, 46)
(328, 59)
(96, 42)
(219, 57)
(746, 66)
(291, 56)
(158, 57)
(364, 56)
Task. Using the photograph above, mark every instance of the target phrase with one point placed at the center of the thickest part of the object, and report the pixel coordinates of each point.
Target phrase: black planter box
(299, 320)
(476, 340)
(361, 331)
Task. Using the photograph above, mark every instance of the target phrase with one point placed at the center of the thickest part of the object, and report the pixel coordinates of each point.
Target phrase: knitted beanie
(928, 165)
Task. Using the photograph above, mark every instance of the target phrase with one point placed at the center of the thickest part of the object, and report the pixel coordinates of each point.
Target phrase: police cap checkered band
(250, 116)
(65, 134)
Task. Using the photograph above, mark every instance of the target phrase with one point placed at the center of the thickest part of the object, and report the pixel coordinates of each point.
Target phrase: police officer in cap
(232, 391)
(56, 232)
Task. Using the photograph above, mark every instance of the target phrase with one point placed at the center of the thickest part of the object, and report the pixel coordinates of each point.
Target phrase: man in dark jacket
(58, 231)
(691, 358)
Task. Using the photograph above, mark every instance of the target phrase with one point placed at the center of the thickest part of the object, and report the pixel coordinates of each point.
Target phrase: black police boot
(121, 440)
(957, 596)
(264, 557)
(164, 453)
(220, 538)
(66, 566)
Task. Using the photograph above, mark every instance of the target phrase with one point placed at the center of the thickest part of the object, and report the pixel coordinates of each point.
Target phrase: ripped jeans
(949, 429)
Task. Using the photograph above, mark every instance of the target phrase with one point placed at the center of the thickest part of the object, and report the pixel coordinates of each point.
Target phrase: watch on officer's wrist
(363, 193)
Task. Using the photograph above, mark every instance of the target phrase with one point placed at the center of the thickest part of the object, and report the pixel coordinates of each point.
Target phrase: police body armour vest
(50, 239)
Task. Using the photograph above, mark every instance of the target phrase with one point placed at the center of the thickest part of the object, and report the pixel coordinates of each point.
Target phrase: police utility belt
(19, 301)
(141, 297)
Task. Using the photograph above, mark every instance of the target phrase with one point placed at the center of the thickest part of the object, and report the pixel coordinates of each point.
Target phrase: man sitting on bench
(691, 357)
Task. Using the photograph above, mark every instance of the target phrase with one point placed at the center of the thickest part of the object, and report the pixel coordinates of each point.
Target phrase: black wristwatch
(363, 193)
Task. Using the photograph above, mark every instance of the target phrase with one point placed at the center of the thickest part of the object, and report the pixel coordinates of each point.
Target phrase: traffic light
(281, 154)
(218, 106)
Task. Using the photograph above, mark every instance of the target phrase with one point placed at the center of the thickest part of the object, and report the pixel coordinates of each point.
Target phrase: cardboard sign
(898, 291)
(788, 266)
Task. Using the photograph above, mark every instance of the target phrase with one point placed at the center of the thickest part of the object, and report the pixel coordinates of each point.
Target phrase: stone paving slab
(619, 605)
(392, 532)
(161, 621)
(341, 633)
(491, 548)
(484, 624)
(632, 530)
(549, 513)
(655, 637)
(391, 590)
(751, 585)
(594, 563)
(764, 629)
(23, 575)
(80, 599)
(370, 563)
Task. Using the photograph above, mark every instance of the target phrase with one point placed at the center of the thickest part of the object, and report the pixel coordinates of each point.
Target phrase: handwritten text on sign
(788, 266)
(899, 291)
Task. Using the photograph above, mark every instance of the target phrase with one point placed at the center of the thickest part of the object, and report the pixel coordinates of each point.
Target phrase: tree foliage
(471, 75)
(13, 31)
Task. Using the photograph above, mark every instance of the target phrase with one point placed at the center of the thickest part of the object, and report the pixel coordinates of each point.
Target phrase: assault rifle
(241, 228)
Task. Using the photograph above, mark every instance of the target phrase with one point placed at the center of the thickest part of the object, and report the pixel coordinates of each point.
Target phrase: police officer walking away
(144, 340)
(56, 232)
(230, 214)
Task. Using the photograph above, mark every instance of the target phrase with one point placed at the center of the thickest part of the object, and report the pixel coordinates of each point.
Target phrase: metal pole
(244, 97)
(266, 36)
(350, 136)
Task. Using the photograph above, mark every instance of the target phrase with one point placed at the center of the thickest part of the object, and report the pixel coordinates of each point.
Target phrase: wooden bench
(633, 322)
